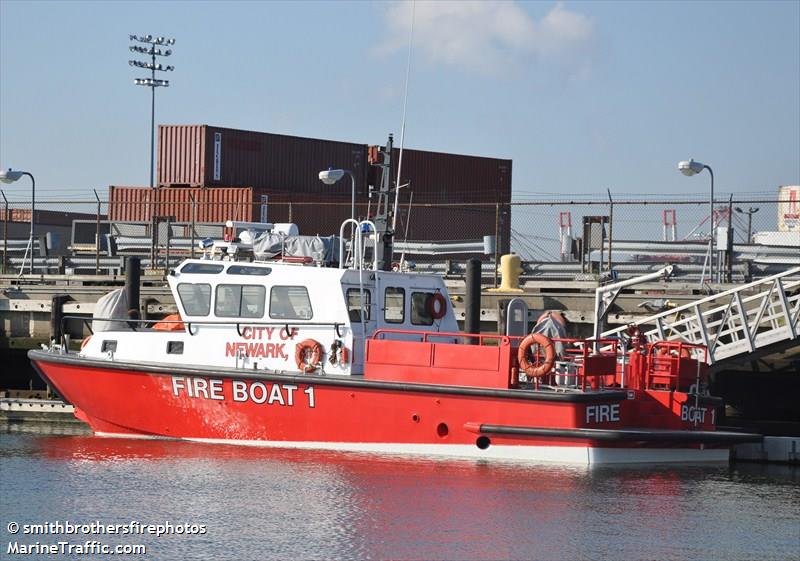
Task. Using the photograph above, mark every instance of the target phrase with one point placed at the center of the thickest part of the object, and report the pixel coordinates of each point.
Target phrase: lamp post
(152, 83)
(10, 176)
(749, 212)
(692, 168)
(331, 176)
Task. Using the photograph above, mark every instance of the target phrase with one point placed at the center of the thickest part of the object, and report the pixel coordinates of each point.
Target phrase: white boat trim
(575, 455)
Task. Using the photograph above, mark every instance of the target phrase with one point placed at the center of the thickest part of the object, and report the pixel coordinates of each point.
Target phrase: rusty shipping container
(140, 204)
(207, 156)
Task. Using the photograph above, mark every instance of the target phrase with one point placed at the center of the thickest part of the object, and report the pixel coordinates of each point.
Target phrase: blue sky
(583, 96)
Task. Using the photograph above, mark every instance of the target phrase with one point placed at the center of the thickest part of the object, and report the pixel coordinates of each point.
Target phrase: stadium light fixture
(151, 82)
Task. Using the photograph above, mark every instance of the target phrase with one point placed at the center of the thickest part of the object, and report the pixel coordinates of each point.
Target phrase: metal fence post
(5, 232)
(97, 237)
(152, 213)
(610, 227)
(729, 245)
(496, 240)
(194, 220)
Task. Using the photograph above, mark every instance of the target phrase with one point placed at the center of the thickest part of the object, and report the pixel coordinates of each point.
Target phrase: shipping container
(435, 177)
(141, 204)
(313, 213)
(207, 156)
(48, 217)
(285, 169)
(789, 208)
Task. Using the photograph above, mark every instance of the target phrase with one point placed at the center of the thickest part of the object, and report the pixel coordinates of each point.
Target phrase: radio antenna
(403, 126)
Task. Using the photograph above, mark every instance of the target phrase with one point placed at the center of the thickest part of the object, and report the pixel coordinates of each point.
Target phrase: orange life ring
(85, 342)
(549, 355)
(436, 305)
(302, 351)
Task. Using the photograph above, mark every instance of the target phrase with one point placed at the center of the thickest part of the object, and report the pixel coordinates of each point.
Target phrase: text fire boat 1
(295, 354)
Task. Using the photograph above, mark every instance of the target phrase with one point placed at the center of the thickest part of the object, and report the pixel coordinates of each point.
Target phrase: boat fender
(85, 341)
(344, 359)
(549, 355)
(307, 355)
(333, 348)
(436, 305)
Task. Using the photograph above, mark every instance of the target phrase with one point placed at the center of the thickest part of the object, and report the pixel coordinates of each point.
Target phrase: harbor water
(257, 503)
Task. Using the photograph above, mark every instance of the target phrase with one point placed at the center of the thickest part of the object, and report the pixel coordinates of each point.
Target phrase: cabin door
(354, 310)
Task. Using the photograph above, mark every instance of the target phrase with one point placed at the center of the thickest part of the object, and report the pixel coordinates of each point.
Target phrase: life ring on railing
(549, 355)
(436, 305)
(307, 355)
(85, 341)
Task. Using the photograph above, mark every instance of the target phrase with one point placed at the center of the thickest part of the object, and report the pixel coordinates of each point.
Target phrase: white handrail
(356, 241)
(358, 248)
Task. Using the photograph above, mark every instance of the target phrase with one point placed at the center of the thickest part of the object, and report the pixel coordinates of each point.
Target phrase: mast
(383, 218)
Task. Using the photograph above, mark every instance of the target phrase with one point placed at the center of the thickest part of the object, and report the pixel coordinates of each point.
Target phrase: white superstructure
(254, 315)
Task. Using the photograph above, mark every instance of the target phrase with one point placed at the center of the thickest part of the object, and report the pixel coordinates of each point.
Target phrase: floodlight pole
(151, 51)
(152, 82)
(152, 118)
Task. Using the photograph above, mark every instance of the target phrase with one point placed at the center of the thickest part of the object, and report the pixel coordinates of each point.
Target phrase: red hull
(353, 414)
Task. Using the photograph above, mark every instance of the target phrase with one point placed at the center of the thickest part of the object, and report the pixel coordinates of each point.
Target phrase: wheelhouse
(270, 315)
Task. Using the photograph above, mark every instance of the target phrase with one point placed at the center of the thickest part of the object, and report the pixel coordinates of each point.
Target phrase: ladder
(735, 322)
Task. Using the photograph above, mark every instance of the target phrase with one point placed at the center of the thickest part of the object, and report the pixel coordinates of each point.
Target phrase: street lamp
(749, 212)
(331, 176)
(152, 82)
(10, 176)
(691, 168)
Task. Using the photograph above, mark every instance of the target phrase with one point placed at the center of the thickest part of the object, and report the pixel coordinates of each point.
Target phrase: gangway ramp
(762, 316)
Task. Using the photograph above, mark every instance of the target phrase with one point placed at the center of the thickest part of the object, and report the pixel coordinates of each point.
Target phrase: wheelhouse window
(290, 302)
(394, 302)
(248, 270)
(353, 301)
(202, 268)
(195, 298)
(236, 300)
(419, 308)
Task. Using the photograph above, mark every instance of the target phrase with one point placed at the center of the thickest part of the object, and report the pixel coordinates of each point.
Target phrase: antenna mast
(403, 126)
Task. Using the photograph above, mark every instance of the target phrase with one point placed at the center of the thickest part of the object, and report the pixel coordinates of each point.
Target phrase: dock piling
(132, 280)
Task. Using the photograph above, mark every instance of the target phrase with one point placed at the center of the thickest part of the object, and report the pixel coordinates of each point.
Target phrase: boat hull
(351, 414)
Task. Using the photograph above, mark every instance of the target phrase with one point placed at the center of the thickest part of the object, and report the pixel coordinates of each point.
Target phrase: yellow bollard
(510, 269)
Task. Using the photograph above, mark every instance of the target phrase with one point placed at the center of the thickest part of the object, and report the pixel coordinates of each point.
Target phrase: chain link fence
(601, 233)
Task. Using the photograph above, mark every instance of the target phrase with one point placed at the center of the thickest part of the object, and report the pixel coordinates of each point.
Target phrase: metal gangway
(739, 321)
